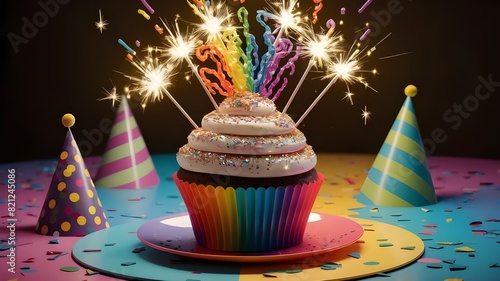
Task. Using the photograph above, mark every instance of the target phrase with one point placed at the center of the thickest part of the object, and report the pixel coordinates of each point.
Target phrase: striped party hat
(126, 162)
(72, 206)
(399, 176)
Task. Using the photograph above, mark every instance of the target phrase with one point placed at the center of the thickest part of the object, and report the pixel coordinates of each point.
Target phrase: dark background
(65, 63)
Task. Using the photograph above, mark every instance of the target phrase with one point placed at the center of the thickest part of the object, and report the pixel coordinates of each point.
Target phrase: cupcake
(247, 177)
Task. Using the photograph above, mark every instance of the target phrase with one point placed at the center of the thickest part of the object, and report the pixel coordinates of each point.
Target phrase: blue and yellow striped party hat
(399, 176)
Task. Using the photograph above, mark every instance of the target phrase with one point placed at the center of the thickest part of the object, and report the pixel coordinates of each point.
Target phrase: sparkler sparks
(179, 47)
(238, 69)
(154, 77)
(286, 15)
(111, 95)
(366, 114)
(101, 24)
(215, 18)
(153, 80)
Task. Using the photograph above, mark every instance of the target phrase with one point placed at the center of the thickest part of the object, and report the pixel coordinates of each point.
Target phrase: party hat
(72, 206)
(126, 162)
(399, 176)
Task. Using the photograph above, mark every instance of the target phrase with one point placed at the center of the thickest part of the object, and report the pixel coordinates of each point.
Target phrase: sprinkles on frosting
(247, 165)
(205, 140)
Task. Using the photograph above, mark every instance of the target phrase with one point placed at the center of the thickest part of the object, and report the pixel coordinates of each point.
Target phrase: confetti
(330, 266)
(110, 244)
(371, 263)
(69, 268)
(475, 223)
(129, 263)
(91, 250)
(428, 232)
(464, 249)
(408, 248)
(456, 267)
(57, 256)
(90, 272)
(355, 255)
(54, 241)
(138, 249)
(385, 245)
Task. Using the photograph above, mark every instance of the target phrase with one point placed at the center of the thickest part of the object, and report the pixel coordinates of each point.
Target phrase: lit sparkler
(346, 67)
(317, 48)
(287, 16)
(181, 48)
(153, 80)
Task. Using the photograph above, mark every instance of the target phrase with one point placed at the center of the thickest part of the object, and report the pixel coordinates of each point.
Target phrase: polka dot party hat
(400, 176)
(72, 206)
(126, 163)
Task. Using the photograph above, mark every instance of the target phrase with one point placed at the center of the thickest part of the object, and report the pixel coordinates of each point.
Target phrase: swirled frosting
(247, 137)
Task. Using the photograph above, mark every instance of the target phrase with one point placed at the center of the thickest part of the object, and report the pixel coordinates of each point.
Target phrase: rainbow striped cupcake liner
(248, 219)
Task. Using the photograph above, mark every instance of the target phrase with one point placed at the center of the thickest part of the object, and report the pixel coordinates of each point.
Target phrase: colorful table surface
(459, 235)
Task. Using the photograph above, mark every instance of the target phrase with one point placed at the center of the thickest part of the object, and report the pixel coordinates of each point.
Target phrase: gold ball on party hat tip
(68, 120)
(411, 90)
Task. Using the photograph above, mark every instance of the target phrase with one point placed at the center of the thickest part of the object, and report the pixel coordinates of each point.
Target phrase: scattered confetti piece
(110, 244)
(449, 243)
(128, 263)
(430, 225)
(57, 256)
(331, 266)
(138, 249)
(454, 279)
(374, 210)
(385, 245)
(396, 215)
(436, 247)
(428, 232)
(425, 210)
(449, 220)
(408, 248)
(475, 223)
(382, 274)
(92, 250)
(135, 216)
(495, 265)
(355, 255)
(436, 266)
(69, 268)
(371, 263)
(456, 267)
(54, 241)
(90, 272)
(429, 260)
(464, 249)
(449, 261)
(54, 252)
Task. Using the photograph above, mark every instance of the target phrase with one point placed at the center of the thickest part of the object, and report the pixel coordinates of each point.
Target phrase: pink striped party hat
(126, 162)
